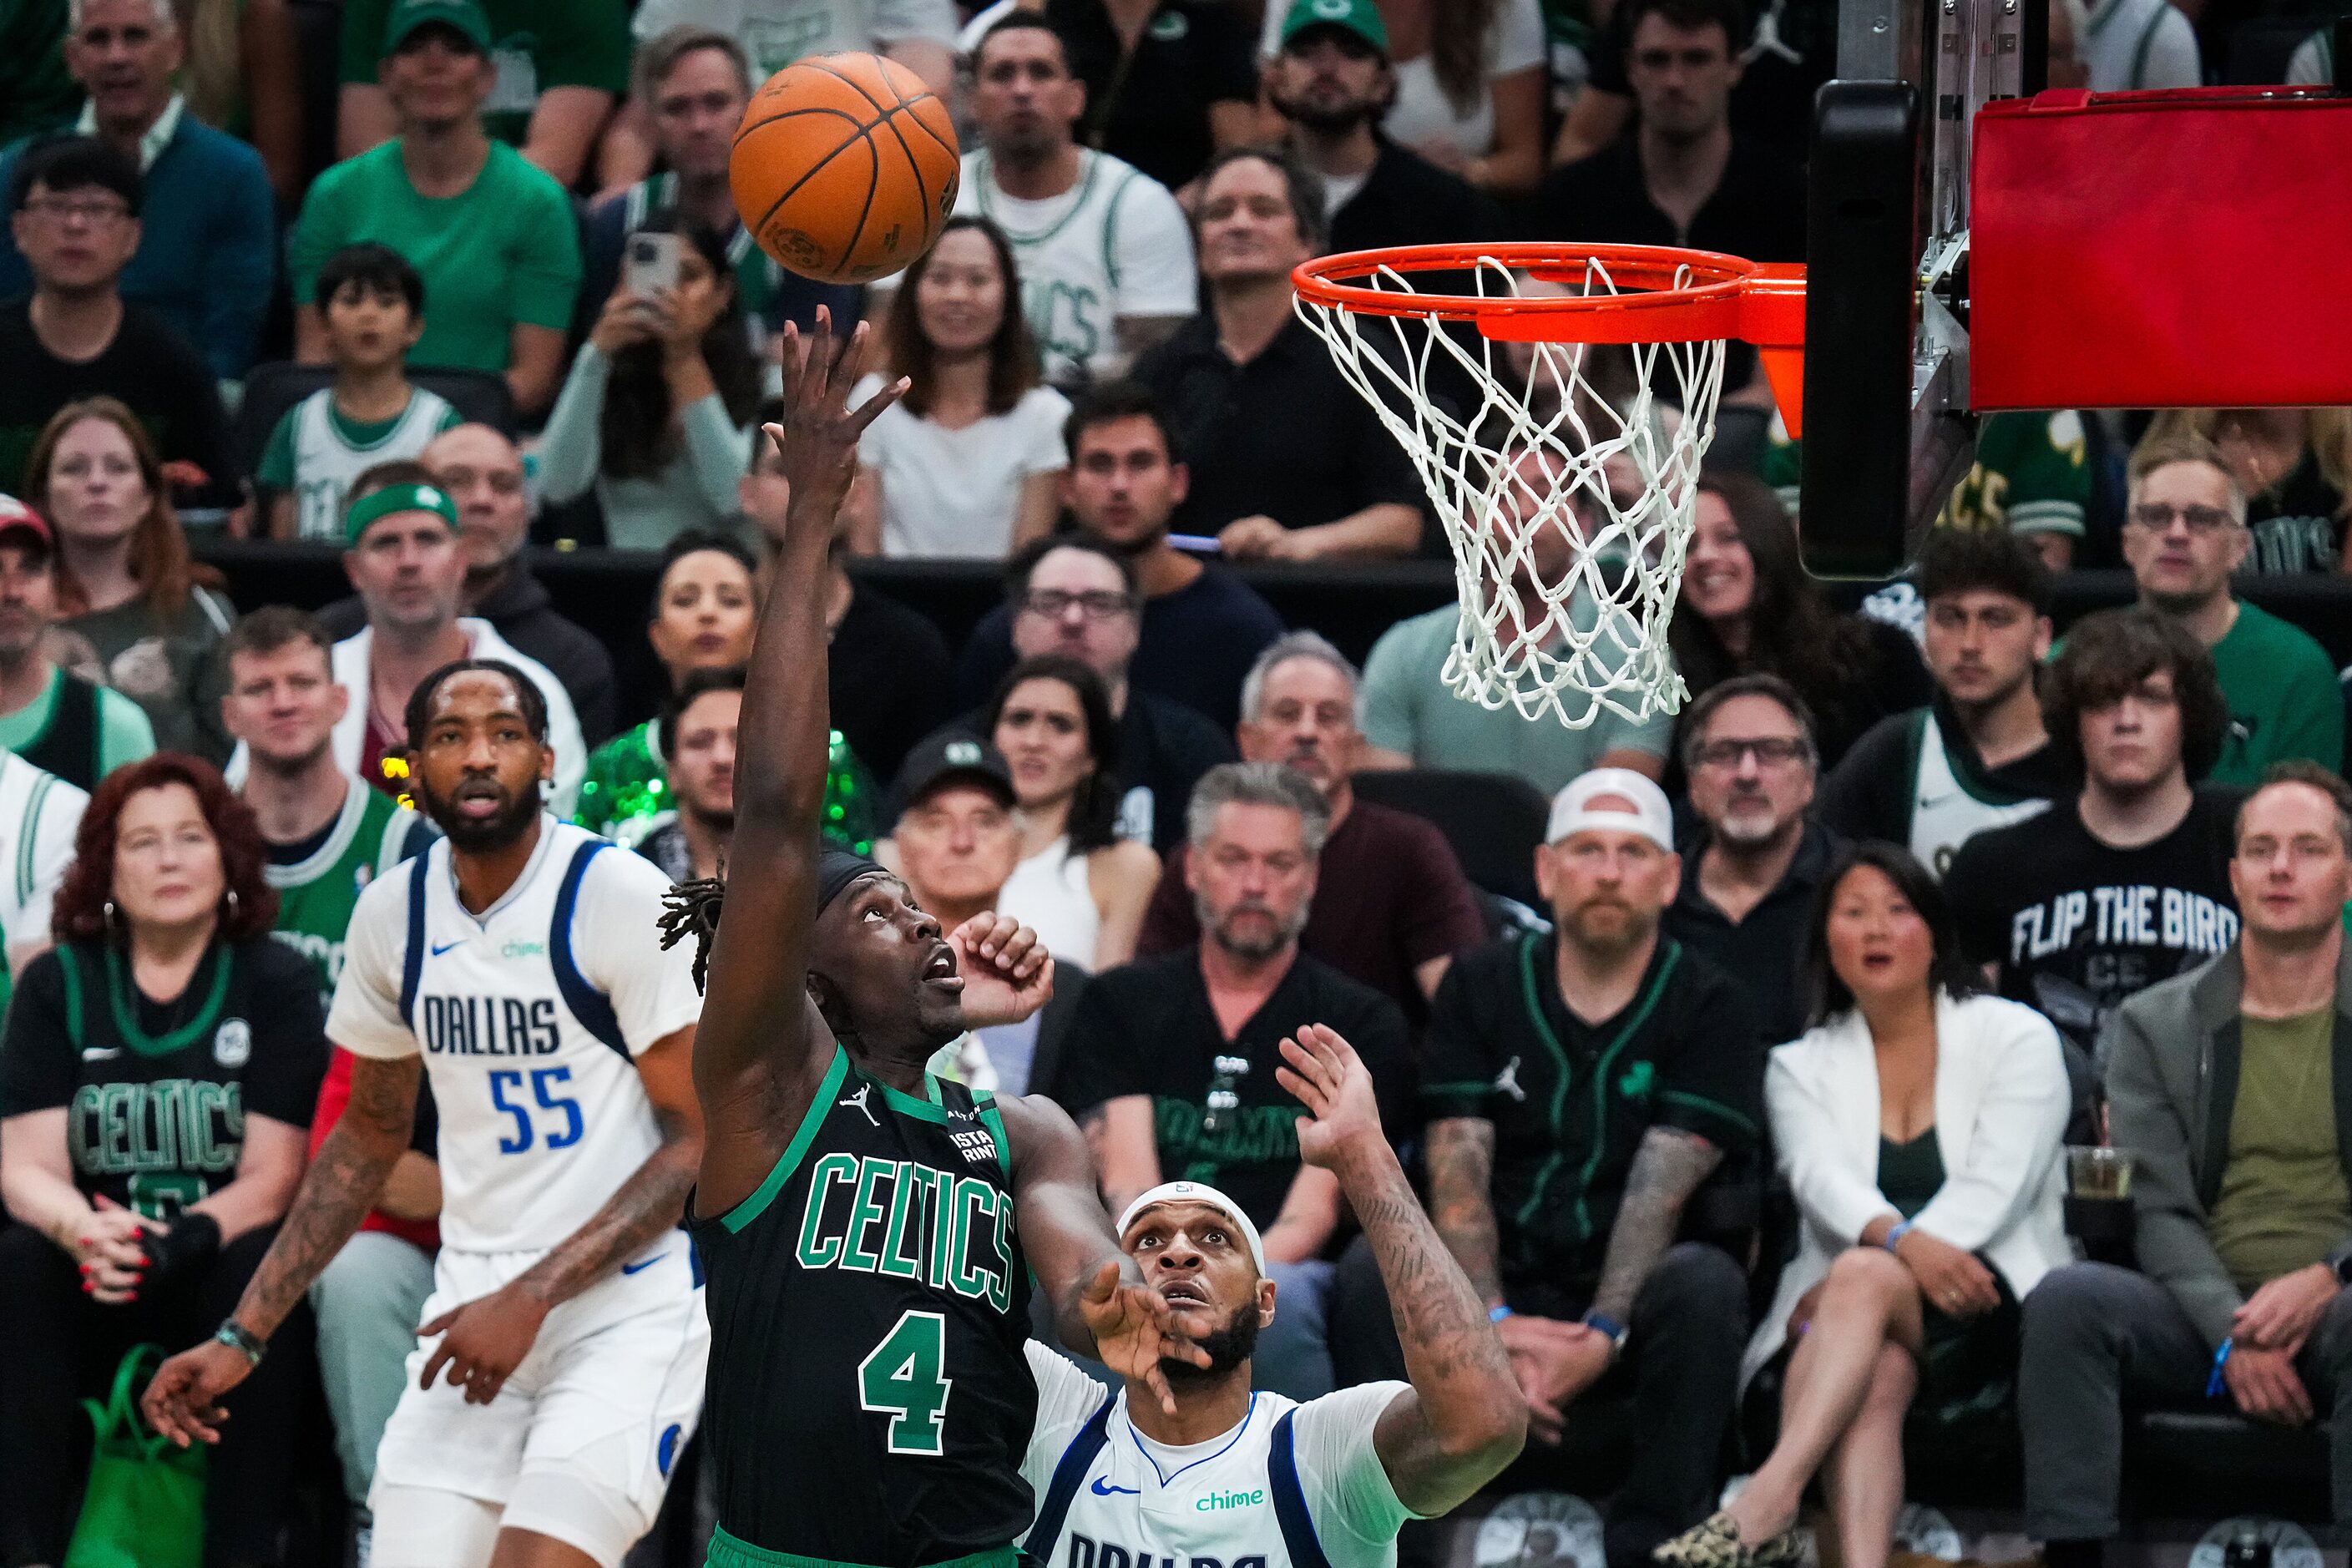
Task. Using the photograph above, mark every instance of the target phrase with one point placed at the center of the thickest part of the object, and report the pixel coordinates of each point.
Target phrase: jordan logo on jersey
(903, 1219)
(858, 1099)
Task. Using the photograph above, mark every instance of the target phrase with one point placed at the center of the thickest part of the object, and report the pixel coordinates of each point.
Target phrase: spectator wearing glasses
(1076, 595)
(492, 235)
(968, 462)
(1391, 906)
(2185, 536)
(1172, 1059)
(207, 243)
(74, 205)
(1079, 886)
(1754, 858)
(2294, 466)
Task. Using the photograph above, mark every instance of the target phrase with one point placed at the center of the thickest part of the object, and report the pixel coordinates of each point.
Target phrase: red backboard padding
(2190, 248)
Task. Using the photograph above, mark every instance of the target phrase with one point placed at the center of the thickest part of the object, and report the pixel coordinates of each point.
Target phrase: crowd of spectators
(1796, 1001)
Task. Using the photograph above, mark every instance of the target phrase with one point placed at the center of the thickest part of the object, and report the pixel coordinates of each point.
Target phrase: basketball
(845, 168)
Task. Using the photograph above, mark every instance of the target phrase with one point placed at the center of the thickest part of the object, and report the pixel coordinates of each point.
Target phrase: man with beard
(1755, 857)
(1332, 84)
(1581, 1087)
(1172, 1059)
(1344, 1472)
(696, 736)
(561, 1362)
(1391, 906)
(1202, 625)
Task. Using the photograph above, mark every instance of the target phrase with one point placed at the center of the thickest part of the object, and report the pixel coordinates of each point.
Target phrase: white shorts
(583, 1436)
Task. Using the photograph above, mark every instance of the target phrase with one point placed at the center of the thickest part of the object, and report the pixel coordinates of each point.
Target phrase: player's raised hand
(1327, 1075)
(817, 441)
(483, 1342)
(1135, 1331)
(1007, 972)
(183, 1400)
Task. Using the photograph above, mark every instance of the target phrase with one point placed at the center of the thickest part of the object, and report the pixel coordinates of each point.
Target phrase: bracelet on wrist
(238, 1337)
(1894, 1233)
(1498, 1312)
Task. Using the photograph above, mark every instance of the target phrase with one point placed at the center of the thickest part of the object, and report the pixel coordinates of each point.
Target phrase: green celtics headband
(382, 503)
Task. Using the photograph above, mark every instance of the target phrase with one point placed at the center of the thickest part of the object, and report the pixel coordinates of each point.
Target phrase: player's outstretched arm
(752, 1072)
(1102, 1307)
(183, 1402)
(1464, 1419)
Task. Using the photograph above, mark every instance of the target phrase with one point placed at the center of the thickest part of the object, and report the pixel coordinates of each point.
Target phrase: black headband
(837, 869)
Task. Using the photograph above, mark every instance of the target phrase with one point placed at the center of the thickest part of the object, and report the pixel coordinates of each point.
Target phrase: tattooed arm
(183, 1402)
(1461, 1176)
(1463, 1420)
(1667, 1169)
(485, 1340)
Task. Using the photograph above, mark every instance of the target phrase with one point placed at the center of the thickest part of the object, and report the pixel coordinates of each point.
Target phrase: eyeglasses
(1222, 1099)
(2155, 516)
(1098, 605)
(1773, 752)
(88, 209)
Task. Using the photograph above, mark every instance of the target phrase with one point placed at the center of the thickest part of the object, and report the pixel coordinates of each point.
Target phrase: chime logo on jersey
(2129, 916)
(488, 1026)
(907, 1221)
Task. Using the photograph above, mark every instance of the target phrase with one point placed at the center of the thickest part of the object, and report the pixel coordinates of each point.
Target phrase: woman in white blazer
(1921, 1127)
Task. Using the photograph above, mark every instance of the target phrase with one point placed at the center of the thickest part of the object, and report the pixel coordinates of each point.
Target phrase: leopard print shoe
(1716, 1543)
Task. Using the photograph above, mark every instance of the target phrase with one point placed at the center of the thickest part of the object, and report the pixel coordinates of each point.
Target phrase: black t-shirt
(2077, 927)
(148, 366)
(1570, 1101)
(1193, 647)
(2298, 522)
(1873, 793)
(157, 1093)
(888, 681)
(1147, 1027)
(1774, 98)
(1282, 436)
(1152, 111)
(1765, 951)
(1408, 200)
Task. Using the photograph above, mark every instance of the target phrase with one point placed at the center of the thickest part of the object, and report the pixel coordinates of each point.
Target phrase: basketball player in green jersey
(868, 1233)
(328, 834)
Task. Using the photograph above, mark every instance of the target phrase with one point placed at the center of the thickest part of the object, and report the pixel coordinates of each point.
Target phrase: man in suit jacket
(2220, 1082)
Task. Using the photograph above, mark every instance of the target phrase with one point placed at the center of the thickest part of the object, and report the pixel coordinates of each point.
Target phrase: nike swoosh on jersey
(640, 1268)
(1099, 1490)
(448, 945)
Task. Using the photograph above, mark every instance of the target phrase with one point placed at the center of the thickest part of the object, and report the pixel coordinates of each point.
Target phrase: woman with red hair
(157, 1075)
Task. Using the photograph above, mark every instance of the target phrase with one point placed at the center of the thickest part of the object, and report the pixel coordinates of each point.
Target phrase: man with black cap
(1332, 83)
(51, 718)
(956, 843)
(855, 1355)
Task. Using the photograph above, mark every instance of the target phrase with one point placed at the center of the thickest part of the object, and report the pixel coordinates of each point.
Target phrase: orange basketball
(845, 168)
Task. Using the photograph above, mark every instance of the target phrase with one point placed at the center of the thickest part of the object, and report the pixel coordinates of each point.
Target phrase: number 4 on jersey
(902, 1376)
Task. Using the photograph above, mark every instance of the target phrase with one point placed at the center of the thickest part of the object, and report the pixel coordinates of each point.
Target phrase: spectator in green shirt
(561, 65)
(492, 235)
(2184, 534)
(57, 721)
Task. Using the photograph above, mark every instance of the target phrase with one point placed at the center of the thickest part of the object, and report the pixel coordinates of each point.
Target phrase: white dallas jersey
(326, 461)
(529, 1017)
(1115, 244)
(1294, 1485)
(39, 814)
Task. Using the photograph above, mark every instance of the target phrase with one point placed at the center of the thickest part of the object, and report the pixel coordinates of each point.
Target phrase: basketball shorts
(580, 1441)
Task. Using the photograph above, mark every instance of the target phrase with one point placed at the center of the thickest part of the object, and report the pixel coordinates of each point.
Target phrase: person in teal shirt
(492, 236)
(2184, 535)
(59, 722)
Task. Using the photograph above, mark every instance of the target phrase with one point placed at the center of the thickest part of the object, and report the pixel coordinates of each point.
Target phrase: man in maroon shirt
(1391, 906)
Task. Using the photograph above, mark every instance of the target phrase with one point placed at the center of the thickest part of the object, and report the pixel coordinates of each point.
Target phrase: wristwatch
(235, 1335)
(1617, 1332)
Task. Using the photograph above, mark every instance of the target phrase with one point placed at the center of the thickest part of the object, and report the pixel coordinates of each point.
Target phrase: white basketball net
(1567, 503)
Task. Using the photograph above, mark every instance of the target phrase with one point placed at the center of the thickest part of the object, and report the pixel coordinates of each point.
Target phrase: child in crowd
(374, 304)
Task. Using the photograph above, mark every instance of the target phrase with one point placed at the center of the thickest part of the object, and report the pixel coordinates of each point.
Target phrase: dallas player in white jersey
(559, 1368)
(1233, 1475)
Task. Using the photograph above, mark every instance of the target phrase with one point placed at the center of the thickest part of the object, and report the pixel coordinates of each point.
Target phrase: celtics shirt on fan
(2073, 925)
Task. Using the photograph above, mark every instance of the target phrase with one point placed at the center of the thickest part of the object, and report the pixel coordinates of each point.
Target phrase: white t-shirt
(1115, 244)
(954, 493)
(39, 814)
(1210, 1499)
(1421, 110)
(529, 1017)
(2131, 45)
(775, 33)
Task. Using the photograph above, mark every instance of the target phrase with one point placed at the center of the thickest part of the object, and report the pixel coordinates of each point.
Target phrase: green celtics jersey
(627, 786)
(316, 893)
(2032, 475)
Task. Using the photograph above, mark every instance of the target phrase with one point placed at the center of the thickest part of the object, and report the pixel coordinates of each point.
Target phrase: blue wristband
(1896, 1233)
(1498, 1312)
(2216, 1384)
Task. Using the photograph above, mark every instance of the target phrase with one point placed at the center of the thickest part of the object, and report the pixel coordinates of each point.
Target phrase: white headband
(1196, 1193)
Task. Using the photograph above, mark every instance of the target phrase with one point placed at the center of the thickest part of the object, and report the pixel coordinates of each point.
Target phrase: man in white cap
(1580, 1088)
(1223, 1475)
